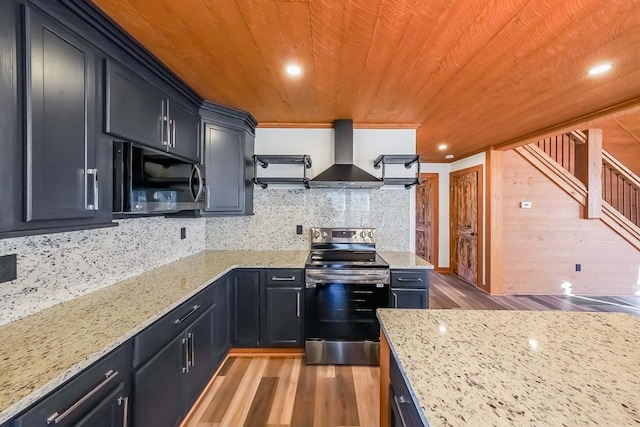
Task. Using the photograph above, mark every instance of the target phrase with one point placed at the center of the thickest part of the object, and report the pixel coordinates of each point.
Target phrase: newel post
(589, 171)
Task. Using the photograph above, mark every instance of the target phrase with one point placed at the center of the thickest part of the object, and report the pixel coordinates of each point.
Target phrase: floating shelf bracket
(268, 159)
(408, 160)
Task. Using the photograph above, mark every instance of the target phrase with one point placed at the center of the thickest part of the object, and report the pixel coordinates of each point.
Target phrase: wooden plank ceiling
(470, 73)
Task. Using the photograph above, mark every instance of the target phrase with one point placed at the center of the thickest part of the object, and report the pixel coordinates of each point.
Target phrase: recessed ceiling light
(442, 146)
(599, 69)
(294, 70)
(449, 156)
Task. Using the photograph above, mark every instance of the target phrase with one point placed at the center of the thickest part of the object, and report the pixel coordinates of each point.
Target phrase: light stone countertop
(506, 368)
(408, 260)
(41, 351)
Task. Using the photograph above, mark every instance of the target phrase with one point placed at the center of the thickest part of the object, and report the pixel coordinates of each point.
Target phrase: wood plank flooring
(284, 391)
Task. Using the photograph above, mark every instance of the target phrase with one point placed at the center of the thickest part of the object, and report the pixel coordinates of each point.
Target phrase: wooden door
(465, 209)
(426, 218)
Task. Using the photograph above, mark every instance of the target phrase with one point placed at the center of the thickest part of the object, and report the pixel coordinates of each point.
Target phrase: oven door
(338, 311)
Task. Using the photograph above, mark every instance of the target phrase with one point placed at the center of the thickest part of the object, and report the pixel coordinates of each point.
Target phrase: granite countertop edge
(397, 260)
(407, 383)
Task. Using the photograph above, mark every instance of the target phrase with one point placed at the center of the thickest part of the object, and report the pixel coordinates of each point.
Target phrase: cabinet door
(282, 320)
(409, 298)
(156, 387)
(246, 308)
(224, 160)
(184, 132)
(112, 411)
(61, 176)
(222, 322)
(200, 348)
(134, 108)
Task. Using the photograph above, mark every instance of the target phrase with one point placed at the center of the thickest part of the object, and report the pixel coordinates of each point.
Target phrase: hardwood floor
(284, 391)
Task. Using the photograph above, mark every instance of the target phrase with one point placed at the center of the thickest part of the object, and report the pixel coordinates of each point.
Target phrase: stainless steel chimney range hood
(344, 174)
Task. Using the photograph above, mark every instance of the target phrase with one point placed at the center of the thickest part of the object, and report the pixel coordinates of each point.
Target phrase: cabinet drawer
(399, 398)
(148, 342)
(409, 279)
(83, 393)
(284, 277)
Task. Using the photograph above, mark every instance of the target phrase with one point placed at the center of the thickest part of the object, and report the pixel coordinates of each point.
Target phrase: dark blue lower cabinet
(167, 385)
(245, 325)
(409, 298)
(99, 396)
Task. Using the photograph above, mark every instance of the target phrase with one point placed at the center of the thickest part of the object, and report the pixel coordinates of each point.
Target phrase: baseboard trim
(266, 352)
(445, 270)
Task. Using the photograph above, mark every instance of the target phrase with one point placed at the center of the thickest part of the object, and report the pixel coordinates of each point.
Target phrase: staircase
(611, 194)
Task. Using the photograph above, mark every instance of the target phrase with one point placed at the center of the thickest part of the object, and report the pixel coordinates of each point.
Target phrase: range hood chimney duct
(343, 173)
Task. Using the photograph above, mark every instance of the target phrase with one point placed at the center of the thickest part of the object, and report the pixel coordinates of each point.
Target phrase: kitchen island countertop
(41, 351)
(504, 368)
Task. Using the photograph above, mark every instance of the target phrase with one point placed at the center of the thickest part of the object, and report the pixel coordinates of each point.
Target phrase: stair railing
(620, 188)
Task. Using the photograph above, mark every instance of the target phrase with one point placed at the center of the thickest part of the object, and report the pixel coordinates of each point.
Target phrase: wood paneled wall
(542, 245)
(621, 144)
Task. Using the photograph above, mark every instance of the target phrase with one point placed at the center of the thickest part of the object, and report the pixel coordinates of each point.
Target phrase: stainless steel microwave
(146, 181)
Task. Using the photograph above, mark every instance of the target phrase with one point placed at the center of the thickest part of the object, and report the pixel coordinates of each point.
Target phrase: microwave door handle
(196, 195)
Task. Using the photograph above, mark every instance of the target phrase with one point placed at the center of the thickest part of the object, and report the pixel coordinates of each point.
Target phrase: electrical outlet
(578, 267)
(298, 229)
(8, 268)
(183, 233)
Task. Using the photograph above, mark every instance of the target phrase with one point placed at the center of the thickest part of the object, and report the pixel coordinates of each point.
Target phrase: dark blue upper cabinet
(137, 111)
(134, 108)
(61, 171)
(54, 172)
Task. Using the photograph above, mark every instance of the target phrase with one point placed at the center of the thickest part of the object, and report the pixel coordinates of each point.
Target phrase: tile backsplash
(54, 268)
(278, 211)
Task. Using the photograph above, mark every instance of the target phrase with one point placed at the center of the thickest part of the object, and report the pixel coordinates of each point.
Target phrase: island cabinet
(403, 409)
(228, 137)
(409, 288)
(268, 308)
(98, 397)
(139, 112)
(55, 171)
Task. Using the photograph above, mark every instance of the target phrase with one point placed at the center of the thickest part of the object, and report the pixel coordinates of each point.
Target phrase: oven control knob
(324, 234)
(316, 234)
(370, 234)
(363, 234)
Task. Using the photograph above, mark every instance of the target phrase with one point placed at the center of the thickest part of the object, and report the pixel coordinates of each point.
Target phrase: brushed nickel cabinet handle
(56, 417)
(412, 279)
(283, 279)
(395, 398)
(395, 299)
(186, 316)
(172, 123)
(192, 353)
(94, 183)
(298, 304)
(124, 402)
(185, 350)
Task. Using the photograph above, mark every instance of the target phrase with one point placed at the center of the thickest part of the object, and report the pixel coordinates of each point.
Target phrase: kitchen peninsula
(506, 368)
(42, 351)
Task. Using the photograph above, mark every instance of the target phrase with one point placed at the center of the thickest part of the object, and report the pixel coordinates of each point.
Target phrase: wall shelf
(265, 160)
(408, 160)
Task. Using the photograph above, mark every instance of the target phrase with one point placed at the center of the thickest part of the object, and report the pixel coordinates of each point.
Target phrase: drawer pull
(57, 417)
(186, 316)
(411, 279)
(192, 350)
(283, 279)
(398, 402)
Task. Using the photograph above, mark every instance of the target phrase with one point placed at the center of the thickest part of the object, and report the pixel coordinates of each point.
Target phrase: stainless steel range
(346, 281)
